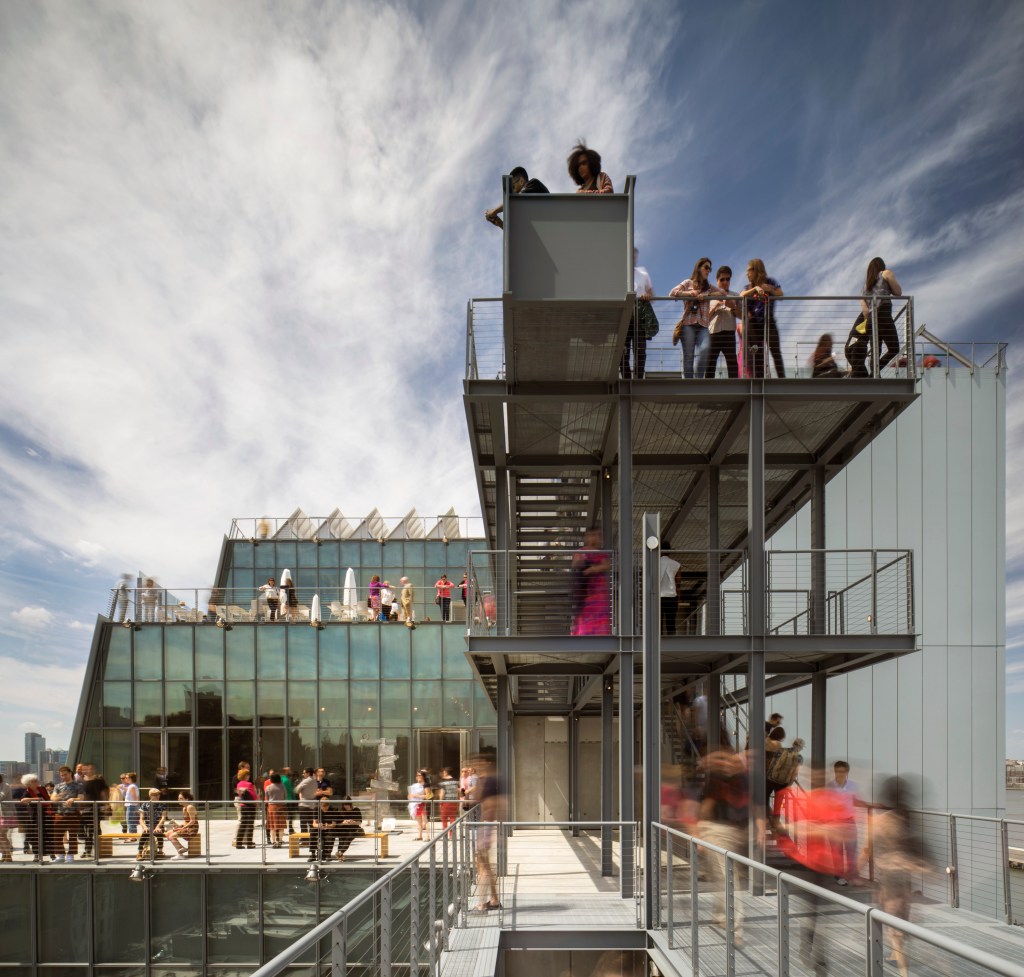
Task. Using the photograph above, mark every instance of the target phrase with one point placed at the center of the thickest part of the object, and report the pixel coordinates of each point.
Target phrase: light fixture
(126, 624)
(315, 874)
(444, 539)
(139, 874)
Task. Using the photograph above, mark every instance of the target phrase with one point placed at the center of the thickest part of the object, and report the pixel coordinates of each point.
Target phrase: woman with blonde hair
(760, 321)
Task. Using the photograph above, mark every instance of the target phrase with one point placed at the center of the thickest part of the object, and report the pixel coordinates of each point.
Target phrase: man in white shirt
(844, 842)
(668, 588)
(637, 335)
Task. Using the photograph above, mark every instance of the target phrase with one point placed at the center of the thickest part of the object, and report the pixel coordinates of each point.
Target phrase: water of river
(1015, 804)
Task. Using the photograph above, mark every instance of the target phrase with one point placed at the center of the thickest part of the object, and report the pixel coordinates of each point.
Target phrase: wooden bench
(105, 844)
(297, 838)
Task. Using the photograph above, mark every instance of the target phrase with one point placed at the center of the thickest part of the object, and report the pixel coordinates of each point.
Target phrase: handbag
(677, 333)
(648, 318)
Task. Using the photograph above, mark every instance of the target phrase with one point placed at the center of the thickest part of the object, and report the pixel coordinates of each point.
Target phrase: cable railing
(701, 908)
(301, 527)
(800, 337)
(840, 592)
(227, 606)
(542, 591)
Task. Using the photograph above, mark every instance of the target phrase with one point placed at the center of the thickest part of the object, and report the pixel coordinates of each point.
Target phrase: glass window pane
(333, 704)
(289, 911)
(350, 556)
(178, 652)
(413, 554)
(210, 704)
(270, 652)
(240, 703)
(302, 652)
(456, 664)
(179, 703)
(240, 747)
(285, 558)
(15, 911)
(301, 750)
(174, 901)
(210, 784)
(149, 661)
(426, 652)
(210, 653)
(364, 763)
(456, 558)
(364, 703)
(308, 553)
(426, 703)
(270, 703)
(394, 703)
(334, 652)
(233, 916)
(239, 650)
(119, 654)
(149, 709)
(370, 554)
(117, 754)
(243, 588)
(394, 652)
(119, 924)
(330, 585)
(435, 554)
(63, 927)
(458, 704)
(240, 554)
(117, 703)
(271, 756)
(333, 745)
(266, 562)
(330, 555)
(301, 703)
(364, 652)
(485, 714)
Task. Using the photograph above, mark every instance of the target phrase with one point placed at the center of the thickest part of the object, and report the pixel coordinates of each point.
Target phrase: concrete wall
(933, 482)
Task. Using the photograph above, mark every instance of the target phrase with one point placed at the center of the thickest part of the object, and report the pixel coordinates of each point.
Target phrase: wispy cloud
(33, 617)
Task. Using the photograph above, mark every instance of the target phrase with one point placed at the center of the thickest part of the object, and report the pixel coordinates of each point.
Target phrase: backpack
(784, 766)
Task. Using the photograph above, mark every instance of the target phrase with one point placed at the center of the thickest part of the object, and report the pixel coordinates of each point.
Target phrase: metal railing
(229, 606)
(112, 833)
(711, 592)
(934, 352)
(839, 592)
(542, 591)
(299, 526)
(801, 322)
(700, 910)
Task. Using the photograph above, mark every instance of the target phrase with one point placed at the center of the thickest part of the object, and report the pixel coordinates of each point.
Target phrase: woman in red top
(443, 587)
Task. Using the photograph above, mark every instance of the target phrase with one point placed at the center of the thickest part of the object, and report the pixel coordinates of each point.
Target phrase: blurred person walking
(844, 844)
(490, 795)
(591, 611)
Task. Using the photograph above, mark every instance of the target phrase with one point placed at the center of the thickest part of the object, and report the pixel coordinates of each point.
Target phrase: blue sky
(236, 242)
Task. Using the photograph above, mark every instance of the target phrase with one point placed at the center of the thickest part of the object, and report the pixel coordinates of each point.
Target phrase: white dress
(415, 791)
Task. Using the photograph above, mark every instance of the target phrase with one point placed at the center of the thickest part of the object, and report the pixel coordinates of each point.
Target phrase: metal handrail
(306, 528)
(874, 918)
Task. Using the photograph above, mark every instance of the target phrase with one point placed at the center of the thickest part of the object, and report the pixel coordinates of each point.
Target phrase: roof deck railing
(372, 528)
(800, 323)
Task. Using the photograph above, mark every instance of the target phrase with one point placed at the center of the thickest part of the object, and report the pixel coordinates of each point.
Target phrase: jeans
(669, 609)
(696, 343)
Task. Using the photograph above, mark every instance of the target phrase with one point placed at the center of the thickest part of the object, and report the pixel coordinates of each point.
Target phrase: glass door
(440, 748)
(168, 748)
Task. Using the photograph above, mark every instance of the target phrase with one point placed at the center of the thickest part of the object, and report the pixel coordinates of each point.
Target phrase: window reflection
(233, 911)
(240, 703)
(149, 704)
(148, 652)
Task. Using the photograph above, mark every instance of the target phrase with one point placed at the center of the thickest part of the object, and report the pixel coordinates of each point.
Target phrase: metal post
(339, 940)
(874, 336)
(694, 908)
(503, 589)
(819, 722)
(432, 907)
(818, 622)
(607, 783)
(626, 735)
(713, 605)
(730, 918)
(504, 768)
(876, 946)
(385, 930)
(783, 916)
(1004, 841)
(874, 591)
(414, 919)
(714, 731)
(445, 889)
(625, 555)
(954, 873)
(656, 868)
(669, 914)
(574, 778)
(652, 696)
(757, 597)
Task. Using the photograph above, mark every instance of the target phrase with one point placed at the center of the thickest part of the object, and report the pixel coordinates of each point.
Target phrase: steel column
(626, 735)
(625, 554)
(607, 782)
(574, 777)
(652, 699)
(504, 758)
(757, 596)
(713, 606)
(819, 721)
(501, 542)
(818, 617)
(714, 730)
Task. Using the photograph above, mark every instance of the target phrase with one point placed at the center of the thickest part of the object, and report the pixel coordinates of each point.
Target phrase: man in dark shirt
(324, 790)
(521, 183)
(95, 791)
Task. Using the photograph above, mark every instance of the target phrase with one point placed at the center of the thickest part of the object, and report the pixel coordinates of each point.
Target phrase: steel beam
(625, 551)
(818, 622)
(757, 615)
(627, 813)
(651, 703)
(819, 720)
(607, 776)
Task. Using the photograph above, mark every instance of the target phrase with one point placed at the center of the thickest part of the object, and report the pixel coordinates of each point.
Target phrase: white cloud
(80, 626)
(33, 617)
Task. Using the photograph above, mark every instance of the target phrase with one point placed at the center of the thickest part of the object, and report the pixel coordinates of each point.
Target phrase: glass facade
(198, 698)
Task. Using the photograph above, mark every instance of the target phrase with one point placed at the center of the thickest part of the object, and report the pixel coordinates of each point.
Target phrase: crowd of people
(717, 322)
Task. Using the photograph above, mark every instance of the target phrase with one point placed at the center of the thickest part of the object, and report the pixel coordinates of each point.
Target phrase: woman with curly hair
(585, 170)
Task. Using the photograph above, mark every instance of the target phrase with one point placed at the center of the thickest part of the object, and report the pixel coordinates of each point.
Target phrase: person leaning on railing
(760, 325)
(585, 169)
(692, 328)
(521, 183)
(879, 286)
